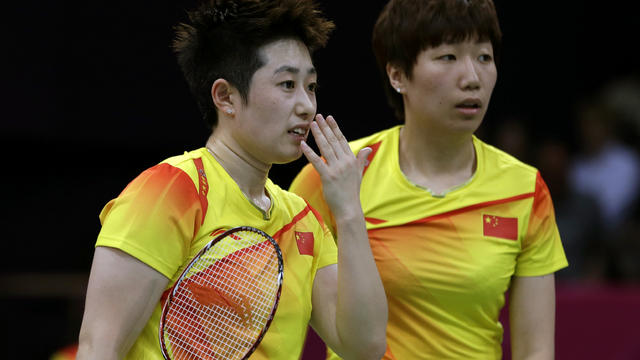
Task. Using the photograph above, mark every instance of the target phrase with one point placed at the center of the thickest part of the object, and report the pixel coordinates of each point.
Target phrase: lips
(298, 131)
(469, 104)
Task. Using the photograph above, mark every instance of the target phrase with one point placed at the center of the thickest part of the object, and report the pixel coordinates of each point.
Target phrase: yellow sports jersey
(172, 210)
(446, 261)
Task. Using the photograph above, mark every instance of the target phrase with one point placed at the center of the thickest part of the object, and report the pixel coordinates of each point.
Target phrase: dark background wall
(92, 95)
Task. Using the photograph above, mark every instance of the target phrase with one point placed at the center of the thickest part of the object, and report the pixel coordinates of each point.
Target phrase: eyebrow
(293, 70)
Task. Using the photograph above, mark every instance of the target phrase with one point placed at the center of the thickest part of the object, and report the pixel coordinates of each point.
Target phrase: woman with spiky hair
(248, 63)
(453, 222)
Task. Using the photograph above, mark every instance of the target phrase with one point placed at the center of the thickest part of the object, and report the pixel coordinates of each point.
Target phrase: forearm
(536, 355)
(361, 309)
(109, 335)
(106, 335)
(88, 350)
(532, 347)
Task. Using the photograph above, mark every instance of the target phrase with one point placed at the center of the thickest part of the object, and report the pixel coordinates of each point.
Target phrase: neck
(250, 174)
(435, 160)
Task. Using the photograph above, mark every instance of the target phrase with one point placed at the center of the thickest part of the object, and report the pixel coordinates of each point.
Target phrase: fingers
(324, 138)
(341, 173)
(342, 141)
(329, 138)
(313, 158)
(362, 156)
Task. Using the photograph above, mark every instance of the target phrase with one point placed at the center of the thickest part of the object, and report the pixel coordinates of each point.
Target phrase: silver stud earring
(398, 90)
(229, 111)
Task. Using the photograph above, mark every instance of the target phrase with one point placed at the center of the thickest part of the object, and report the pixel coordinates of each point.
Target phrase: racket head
(223, 303)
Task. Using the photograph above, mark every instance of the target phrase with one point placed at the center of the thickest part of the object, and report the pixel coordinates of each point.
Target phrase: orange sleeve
(154, 219)
(542, 251)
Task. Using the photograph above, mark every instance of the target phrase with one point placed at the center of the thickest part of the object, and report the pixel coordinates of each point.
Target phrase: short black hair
(223, 39)
(407, 27)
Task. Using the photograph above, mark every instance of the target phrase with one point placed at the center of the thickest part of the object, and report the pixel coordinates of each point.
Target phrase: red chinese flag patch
(501, 227)
(305, 242)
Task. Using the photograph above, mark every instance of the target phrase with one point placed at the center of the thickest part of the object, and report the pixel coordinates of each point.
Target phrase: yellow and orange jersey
(446, 261)
(172, 210)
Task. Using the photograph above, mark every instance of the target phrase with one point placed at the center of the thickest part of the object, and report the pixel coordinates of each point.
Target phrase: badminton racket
(223, 302)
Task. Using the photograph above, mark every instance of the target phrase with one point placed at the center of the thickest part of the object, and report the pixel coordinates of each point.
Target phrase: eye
(448, 57)
(485, 58)
(289, 84)
(313, 87)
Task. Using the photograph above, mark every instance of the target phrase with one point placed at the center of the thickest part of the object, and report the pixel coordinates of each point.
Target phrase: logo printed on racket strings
(215, 297)
(304, 240)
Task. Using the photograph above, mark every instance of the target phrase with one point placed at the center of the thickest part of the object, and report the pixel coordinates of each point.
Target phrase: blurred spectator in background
(622, 98)
(577, 214)
(607, 167)
(596, 192)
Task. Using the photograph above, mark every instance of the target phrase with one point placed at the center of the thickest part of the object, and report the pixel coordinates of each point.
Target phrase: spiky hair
(223, 39)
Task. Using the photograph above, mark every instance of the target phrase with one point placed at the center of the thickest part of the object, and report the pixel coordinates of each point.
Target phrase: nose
(305, 106)
(469, 79)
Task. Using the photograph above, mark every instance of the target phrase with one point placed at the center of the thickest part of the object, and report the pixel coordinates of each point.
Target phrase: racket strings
(236, 286)
(227, 299)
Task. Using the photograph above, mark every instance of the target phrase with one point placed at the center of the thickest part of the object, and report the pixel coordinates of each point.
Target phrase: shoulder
(176, 173)
(186, 162)
(498, 163)
(375, 139)
(503, 160)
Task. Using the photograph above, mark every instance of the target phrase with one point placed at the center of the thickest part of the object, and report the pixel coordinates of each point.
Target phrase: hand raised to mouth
(341, 170)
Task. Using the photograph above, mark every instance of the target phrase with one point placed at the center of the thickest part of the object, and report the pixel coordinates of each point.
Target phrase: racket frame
(210, 244)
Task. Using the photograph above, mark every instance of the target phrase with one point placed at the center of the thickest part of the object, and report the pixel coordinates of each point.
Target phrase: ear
(223, 95)
(396, 77)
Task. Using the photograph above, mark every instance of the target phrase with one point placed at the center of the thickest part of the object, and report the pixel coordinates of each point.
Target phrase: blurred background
(92, 96)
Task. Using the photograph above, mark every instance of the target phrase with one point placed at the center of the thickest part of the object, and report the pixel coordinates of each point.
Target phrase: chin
(470, 125)
(287, 158)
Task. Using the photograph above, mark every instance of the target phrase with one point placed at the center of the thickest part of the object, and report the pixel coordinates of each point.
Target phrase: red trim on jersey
(374, 221)
(203, 187)
(215, 233)
(542, 194)
(374, 148)
(315, 213)
(471, 208)
(295, 219)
